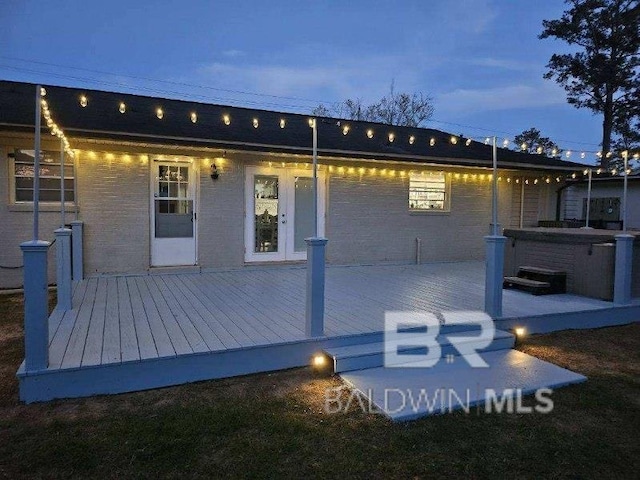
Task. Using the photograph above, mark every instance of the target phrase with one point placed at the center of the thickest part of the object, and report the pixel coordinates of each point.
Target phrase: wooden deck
(129, 320)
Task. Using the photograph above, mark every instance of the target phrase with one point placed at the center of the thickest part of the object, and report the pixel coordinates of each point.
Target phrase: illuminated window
(50, 172)
(429, 191)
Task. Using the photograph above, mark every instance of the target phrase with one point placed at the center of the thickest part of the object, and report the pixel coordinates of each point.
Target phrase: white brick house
(143, 185)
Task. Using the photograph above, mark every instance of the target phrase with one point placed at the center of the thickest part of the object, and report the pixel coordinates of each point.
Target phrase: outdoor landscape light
(345, 129)
(319, 360)
(432, 141)
(255, 123)
(370, 133)
(520, 331)
(194, 117)
(282, 123)
(392, 137)
(454, 140)
(122, 108)
(83, 101)
(412, 140)
(226, 119)
(468, 142)
(159, 113)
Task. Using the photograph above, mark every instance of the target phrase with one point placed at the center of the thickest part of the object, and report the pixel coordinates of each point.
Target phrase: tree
(603, 75)
(533, 142)
(404, 109)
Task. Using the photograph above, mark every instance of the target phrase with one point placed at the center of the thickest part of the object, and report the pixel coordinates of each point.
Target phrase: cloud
(504, 64)
(367, 78)
(470, 101)
(233, 53)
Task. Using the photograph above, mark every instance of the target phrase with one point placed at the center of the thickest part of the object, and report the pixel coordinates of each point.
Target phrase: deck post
(77, 228)
(494, 266)
(314, 315)
(36, 305)
(622, 278)
(63, 267)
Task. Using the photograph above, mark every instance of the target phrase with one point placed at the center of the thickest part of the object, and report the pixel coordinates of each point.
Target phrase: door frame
(194, 182)
(286, 203)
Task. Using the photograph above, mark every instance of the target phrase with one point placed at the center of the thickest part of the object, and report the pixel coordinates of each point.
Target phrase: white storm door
(300, 217)
(265, 214)
(173, 222)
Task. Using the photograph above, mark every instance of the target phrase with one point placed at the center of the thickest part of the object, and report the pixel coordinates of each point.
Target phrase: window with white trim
(22, 173)
(429, 191)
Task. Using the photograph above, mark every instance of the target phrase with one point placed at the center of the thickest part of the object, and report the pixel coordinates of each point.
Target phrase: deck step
(372, 354)
(408, 393)
(535, 287)
(557, 279)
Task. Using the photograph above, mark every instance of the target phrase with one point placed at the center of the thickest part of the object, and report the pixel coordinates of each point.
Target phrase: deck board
(146, 341)
(209, 338)
(111, 351)
(181, 319)
(134, 318)
(92, 353)
(77, 339)
(164, 346)
(194, 304)
(129, 349)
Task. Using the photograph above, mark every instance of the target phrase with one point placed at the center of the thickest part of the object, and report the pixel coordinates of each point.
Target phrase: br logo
(416, 339)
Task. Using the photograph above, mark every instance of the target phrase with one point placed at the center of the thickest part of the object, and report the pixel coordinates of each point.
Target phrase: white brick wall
(367, 221)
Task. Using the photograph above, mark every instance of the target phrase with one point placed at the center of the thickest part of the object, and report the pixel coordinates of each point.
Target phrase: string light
(453, 139)
(53, 127)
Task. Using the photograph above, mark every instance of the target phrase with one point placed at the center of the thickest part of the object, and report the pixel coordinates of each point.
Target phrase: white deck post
(622, 279)
(314, 315)
(36, 305)
(63, 267)
(77, 228)
(494, 266)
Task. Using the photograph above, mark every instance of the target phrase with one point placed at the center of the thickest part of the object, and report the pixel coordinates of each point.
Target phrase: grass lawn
(274, 425)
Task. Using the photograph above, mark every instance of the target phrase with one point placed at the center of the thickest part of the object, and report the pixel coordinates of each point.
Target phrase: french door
(173, 218)
(279, 213)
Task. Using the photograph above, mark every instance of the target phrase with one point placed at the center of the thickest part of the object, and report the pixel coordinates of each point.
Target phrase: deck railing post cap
(316, 241)
(35, 245)
(495, 238)
(63, 232)
(76, 222)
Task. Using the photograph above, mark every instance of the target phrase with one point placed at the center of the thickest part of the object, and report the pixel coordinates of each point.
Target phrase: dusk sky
(480, 60)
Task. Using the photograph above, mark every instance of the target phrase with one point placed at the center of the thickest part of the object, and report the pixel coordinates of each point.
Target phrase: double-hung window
(22, 174)
(429, 191)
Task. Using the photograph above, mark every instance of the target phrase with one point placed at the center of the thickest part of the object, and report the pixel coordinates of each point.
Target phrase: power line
(168, 82)
(236, 101)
